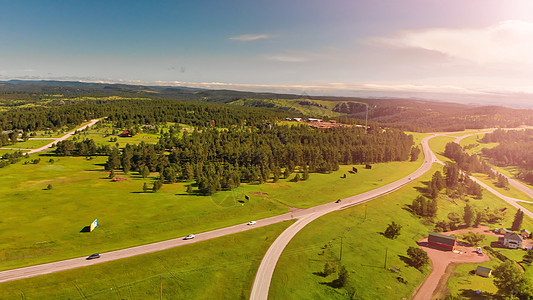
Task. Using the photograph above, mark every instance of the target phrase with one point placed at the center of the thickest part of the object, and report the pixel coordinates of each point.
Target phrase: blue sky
(457, 50)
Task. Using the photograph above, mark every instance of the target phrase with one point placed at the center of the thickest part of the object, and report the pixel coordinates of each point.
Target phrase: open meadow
(222, 268)
(298, 273)
(50, 226)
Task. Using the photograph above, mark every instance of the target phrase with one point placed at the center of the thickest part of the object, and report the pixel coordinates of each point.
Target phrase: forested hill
(408, 114)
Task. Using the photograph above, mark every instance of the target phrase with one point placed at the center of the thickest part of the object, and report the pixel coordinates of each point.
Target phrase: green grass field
(2, 151)
(29, 144)
(510, 171)
(364, 247)
(222, 268)
(48, 228)
(464, 283)
(438, 144)
(308, 110)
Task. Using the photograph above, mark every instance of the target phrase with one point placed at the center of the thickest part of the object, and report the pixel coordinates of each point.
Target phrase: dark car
(93, 256)
(338, 201)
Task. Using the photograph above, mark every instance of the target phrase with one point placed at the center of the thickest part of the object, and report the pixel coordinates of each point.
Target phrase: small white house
(512, 240)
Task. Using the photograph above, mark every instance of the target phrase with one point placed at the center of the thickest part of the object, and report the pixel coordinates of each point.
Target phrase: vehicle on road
(479, 251)
(189, 237)
(93, 256)
(251, 223)
(338, 201)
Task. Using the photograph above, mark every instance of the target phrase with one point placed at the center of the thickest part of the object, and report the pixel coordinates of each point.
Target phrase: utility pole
(365, 214)
(160, 287)
(340, 256)
(386, 250)
(366, 120)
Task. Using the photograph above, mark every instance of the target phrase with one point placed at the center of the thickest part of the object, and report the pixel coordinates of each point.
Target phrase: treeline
(10, 158)
(87, 147)
(222, 159)
(515, 149)
(125, 113)
(468, 163)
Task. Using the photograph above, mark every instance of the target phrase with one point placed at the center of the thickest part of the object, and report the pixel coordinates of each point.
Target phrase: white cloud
(250, 37)
(286, 58)
(506, 43)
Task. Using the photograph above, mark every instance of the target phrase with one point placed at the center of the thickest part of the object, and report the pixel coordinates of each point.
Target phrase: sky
(475, 51)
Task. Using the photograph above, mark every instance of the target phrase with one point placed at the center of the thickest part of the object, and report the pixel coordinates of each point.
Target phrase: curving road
(304, 216)
(263, 276)
(520, 186)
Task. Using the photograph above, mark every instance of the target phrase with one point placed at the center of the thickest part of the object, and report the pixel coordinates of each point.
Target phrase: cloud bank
(509, 43)
(250, 37)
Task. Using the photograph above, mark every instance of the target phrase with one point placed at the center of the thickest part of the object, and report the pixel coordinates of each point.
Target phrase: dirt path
(444, 263)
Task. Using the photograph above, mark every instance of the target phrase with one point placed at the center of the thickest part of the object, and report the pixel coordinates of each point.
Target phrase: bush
(393, 231)
(417, 257)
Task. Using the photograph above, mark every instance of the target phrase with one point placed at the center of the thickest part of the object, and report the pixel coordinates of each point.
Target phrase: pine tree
(518, 218)
(468, 215)
(145, 172)
(438, 181)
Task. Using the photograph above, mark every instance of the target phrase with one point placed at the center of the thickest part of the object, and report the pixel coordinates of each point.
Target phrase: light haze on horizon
(463, 51)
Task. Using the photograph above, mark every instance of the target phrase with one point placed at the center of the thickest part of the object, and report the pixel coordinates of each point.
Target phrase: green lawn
(364, 247)
(509, 191)
(528, 206)
(438, 145)
(330, 187)
(508, 171)
(48, 228)
(463, 282)
(29, 144)
(2, 151)
(222, 268)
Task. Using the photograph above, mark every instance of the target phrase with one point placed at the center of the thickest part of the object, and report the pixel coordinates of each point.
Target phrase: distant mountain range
(407, 113)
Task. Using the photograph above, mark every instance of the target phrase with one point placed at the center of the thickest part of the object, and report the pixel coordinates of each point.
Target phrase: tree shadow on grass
(320, 273)
(336, 284)
(408, 208)
(409, 262)
(472, 294)
(86, 229)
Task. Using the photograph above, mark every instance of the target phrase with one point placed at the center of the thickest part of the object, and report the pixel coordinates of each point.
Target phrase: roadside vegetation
(222, 268)
(49, 228)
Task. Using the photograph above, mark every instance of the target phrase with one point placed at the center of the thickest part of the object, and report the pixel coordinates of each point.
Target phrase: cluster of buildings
(511, 240)
(319, 123)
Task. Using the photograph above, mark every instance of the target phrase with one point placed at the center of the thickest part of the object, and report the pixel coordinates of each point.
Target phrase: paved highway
(263, 276)
(522, 187)
(66, 136)
(304, 216)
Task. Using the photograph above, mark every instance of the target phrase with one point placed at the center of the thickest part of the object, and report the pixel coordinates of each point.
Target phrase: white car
(189, 237)
(251, 223)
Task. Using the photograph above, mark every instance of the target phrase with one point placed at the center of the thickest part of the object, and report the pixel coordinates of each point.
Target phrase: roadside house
(442, 241)
(482, 271)
(512, 240)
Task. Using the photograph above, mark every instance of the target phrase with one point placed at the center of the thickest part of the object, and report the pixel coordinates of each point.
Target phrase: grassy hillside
(221, 268)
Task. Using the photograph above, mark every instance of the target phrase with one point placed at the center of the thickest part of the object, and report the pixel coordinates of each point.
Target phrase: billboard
(94, 224)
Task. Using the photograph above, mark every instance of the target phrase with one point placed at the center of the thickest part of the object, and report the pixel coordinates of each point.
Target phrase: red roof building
(442, 241)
